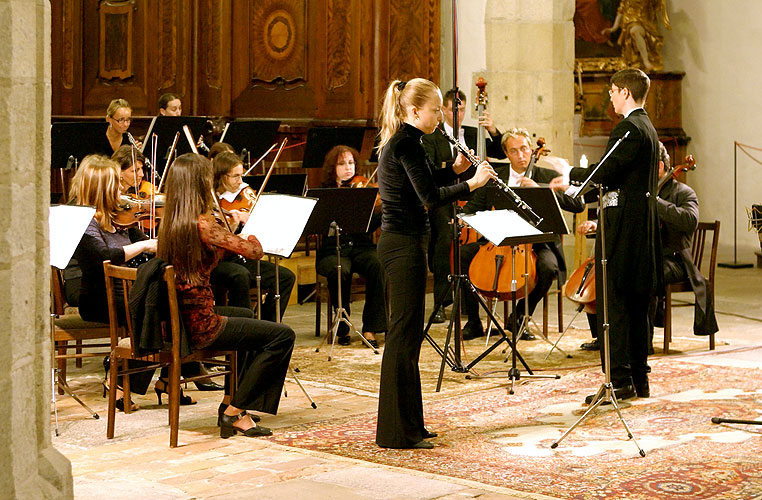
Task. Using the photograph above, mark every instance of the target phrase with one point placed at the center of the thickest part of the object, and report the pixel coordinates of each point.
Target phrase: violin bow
(260, 159)
(370, 179)
(169, 161)
(267, 177)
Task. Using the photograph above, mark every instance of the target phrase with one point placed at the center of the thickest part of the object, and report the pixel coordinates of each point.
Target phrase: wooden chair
(70, 327)
(560, 298)
(697, 252)
(169, 356)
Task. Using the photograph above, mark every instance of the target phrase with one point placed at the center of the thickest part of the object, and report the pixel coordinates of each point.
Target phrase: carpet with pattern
(504, 440)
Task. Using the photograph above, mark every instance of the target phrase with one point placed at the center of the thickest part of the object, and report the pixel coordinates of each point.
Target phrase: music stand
(506, 228)
(606, 392)
(293, 184)
(341, 210)
(67, 224)
(320, 140)
(544, 202)
(250, 134)
(165, 128)
(278, 237)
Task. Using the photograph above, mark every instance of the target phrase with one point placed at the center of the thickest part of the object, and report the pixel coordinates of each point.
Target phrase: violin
(359, 181)
(491, 271)
(137, 212)
(244, 200)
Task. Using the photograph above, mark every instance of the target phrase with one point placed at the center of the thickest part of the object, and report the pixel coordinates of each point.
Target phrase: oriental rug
(504, 440)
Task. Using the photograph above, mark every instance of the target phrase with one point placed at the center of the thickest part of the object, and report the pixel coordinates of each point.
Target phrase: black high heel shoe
(120, 401)
(227, 428)
(223, 407)
(184, 399)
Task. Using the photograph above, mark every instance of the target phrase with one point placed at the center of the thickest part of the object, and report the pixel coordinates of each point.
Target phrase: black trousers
(400, 405)
(264, 351)
(238, 277)
(439, 249)
(546, 270)
(363, 261)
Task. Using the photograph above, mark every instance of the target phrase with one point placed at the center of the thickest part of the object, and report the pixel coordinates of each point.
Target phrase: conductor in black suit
(634, 269)
(550, 257)
(442, 152)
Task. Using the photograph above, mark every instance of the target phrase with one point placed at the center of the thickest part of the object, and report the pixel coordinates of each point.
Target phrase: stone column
(29, 465)
(530, 68)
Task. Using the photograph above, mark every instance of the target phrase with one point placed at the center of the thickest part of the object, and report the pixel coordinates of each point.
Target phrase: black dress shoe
(422, 445)
(223, 407)
(208, 386)
(621, 393)
(344, 340)
(473, 330)
(641, 388)
(227, 428)
(595, 345)
(527, 336)
(428, 434)
(439, 317)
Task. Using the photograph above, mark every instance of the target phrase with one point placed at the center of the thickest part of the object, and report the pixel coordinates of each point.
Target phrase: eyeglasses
(523, 149)
(122, 120)
(237, 176)
(611, 91)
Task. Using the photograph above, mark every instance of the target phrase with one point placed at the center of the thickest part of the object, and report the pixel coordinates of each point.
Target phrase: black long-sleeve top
(409, 183)
(95, 247)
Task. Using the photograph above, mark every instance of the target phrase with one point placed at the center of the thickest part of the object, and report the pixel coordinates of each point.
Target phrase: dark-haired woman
(358, 255)
(192, 241)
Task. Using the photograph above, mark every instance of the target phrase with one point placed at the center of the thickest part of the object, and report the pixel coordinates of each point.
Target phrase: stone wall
(30, 467)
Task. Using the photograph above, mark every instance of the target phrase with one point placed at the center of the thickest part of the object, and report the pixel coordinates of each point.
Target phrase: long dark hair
(189, 195)
(331, 159)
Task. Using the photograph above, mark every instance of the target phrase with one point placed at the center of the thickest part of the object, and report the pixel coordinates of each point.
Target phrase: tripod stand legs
(604, 395)
(343, 317)
(299, 383)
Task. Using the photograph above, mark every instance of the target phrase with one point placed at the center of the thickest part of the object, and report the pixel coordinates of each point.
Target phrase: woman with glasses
(118, 117)
(234, 274)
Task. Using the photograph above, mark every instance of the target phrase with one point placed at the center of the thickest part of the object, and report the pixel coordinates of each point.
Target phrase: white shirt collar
(515, 178)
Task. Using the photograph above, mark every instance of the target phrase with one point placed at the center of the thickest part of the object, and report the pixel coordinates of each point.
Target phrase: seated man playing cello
(549, 256)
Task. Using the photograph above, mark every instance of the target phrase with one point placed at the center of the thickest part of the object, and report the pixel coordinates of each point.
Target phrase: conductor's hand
(589, 226)
(484, 172)
(461, 163)
(558, 184)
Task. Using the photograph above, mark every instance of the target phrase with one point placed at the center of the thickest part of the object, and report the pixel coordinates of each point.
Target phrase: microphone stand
(606, 392)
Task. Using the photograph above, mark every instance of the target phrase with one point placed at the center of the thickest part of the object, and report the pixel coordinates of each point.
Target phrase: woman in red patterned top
(193, 242)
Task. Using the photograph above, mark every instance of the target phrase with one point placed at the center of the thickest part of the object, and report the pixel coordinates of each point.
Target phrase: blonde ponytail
(398, 97)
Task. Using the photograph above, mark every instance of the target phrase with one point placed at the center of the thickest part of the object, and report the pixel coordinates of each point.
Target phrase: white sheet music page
(278, 220)
(497, 225)
(67, 224)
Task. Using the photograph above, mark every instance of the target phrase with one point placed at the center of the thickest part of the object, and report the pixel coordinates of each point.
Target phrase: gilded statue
(640, 39)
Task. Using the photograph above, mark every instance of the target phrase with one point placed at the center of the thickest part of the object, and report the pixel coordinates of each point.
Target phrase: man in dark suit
(634, 268)
(550, 257)
(442, 152)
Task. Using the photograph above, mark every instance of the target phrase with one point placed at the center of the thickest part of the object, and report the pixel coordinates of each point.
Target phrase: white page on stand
(278, 220)
(67, 224)
(497, 225)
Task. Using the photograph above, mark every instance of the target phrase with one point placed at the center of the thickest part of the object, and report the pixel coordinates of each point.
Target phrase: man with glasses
(634, 268)
(550, 256)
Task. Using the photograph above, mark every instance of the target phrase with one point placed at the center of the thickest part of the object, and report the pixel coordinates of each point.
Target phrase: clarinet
(521, 204)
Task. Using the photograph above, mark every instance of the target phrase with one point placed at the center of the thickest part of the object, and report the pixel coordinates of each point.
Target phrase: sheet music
(67, 224)
(278, 220)
(497, 225)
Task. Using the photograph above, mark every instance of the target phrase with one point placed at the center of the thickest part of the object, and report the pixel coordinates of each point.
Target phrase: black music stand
(77, 139)
(165, 128)
(520, 235)
(320, 140)
(251, 135)
(544, 202)
(294, 184)
(341, 210)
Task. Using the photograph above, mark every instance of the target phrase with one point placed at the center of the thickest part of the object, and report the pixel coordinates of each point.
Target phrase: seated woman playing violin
(193, 242)
(358, 254)
(234, 274)
(96, 184)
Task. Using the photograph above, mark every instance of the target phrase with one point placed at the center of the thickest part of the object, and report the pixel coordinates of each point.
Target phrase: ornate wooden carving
(116, 39)
(67, 47)
(213, 34)
(406, 59)
(338, 43)
(278, 52)
(167, 53)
